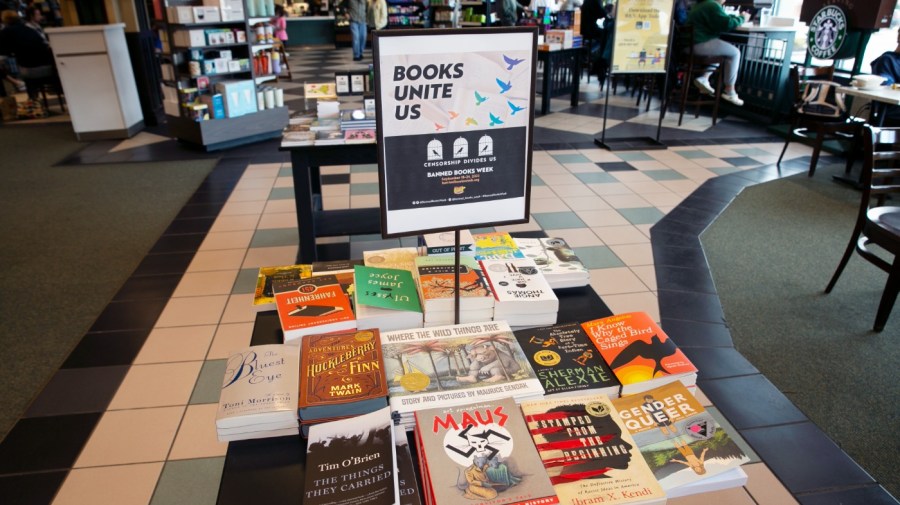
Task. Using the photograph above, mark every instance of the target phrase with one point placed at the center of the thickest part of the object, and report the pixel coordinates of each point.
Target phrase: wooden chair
(877, 223)
(816, 123)
(687, 66)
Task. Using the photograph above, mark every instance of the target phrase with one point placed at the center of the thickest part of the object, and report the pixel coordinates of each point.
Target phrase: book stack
(436, 279)
(556, 260)
(566, 361)
(639, 352)
(342, 269)
(444, 243)
(298, 134)
(684, 446)
(480, 453)
(522, 296)
(386, 298)
(495, 245)
(403, 258)
(259, 393)
(264, 295)
(454, 365)
(587, 451)
(406, 469)
(316, 304)
(341, 375)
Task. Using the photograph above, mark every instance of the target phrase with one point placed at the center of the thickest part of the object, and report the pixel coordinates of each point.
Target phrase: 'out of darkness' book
(341, 374)
(351, 461)
(566, 361)
(480, 454)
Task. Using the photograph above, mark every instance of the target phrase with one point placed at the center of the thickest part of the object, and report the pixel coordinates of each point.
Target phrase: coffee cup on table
(866, 81)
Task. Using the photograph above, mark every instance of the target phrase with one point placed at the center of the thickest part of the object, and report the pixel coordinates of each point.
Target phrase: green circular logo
(827, 31)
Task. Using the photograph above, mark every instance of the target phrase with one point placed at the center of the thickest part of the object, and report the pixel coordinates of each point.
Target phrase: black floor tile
(719, 362)
(194, 225)
(45, 443)
(700, 204)
(210, 196)
(335, 179)
(182, 243)
(750, 401)
(678, 227)
(687, 215)
(148, 287)
(697, 279)
(869, 495)
(31, 488)
(195, 210)
(660, 235)
(697, 334)
(162, 264)
(805, 459)
(78, 391)
(129, 315)
(671, 255)
(619, 166)
(714, 194)
(690, 305)
(107, 349)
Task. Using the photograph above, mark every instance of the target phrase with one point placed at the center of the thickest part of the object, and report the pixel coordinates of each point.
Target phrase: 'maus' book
(687, 450)
(480, 454)
(589, 455)
(313, 305)
(639, 352)
(566, 361)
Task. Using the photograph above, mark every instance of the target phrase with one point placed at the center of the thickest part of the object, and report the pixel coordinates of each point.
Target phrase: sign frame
(466, 103)
(628, 29)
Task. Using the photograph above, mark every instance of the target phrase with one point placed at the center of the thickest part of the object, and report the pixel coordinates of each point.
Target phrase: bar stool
(689, 65)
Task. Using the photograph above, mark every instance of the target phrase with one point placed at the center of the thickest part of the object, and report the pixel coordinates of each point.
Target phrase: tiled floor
(128, 419)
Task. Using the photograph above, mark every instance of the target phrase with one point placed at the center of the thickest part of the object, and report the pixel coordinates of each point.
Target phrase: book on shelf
(352, 461)
(329, 138)
(444, 243)
(480, 453)
(259, 393)
(437, 284)
(406, 470)
(397, 257)
(386, 298)
(319, 90)
(317, 304)
(362, 136)
(298, 138)
(687, 450)
(639, 352)
(341, 374)
(519, 289)
(495, 245)
(264, 294)
(455, 364)
(556, 260)
(566, 361)
(588, 453)
(325, 125)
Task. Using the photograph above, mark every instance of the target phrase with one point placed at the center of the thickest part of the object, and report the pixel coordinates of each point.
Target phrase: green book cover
(388, 288)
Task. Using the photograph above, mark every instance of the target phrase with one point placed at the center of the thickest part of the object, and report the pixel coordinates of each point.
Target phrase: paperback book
(639, 352)
(687, 450)
(341, 374)
(386, 298)
(317, 304)
(319, 90)
(406, 470)
(364, 136)
(342, 269)
(403, 258)
(495, 245)
(566, 361)
(519, 289)
(264, 295)
(588, 453)
(480, 453)
(437, 284)
(454, 365)
(556, 260)
(444, 243)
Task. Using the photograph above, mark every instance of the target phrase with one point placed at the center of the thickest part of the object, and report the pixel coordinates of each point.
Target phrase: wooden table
(562, 73)
(882, 97)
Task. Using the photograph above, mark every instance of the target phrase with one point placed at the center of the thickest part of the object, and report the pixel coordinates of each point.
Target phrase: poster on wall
(641, 39)
(455, 116)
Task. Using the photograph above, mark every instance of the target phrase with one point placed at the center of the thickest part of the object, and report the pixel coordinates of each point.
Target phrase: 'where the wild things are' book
(566, 361)
(351, 461)
(312, 305)
(639, 352)
(480, 454)
(589, 455)
(687, 450)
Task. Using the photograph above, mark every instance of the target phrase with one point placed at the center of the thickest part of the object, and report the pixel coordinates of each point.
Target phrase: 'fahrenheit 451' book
(588, 453)
(480, 454)
(352, 461)
(341, 374)
(566, 361)
(312, 305)
(639, 352)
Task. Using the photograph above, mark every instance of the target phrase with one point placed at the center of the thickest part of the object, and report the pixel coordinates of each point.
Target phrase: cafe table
(881, 98)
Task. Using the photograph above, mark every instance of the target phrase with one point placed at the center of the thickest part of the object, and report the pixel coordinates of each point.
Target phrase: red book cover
(312, 305)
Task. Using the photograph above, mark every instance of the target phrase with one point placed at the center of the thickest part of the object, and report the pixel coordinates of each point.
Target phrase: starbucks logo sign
(826, 32)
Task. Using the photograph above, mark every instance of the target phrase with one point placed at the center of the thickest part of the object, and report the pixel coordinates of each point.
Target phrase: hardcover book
(319, 90)
(437, 284)
(365, 136)
(495, 245)
(341, 374)
(556, 260)
(566, 361)
(480, 453)
(314, 305)
(386, 298)
(259, 390)
(351, 461)
(519, 288)
(435, 244)
(687, 450)
(403, 258)
(456, 364)
(264, 295)
(329, 138)
(342, 269)
(588, 453)
(298, 138)
(639, 352)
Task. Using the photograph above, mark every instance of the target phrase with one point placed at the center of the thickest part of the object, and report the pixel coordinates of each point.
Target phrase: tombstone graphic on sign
(435, 150)
(460, 148)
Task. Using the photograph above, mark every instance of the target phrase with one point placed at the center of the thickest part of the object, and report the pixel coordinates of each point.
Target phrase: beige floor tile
(594, 218)
(156, 385)
(192, 311)
(576, 237)
(647, 188)
(648, 165)
(644, 228)
(364, 177)
(229, 338)
(124, 437)
(206, 283)
(607, 281)
(334, 169)
(185, 343)
(234, 223)
(581, 168)
(364, 201)
(720, 151)
(272, 220)
(227, 240)
(586, 202)
(544, 191)
(601, 156)
(610, 188)
(332, 190)
(196, 436)
(248, 183)
(225, 259)
(572, 191)
(262, 170)
(560, 179)
(243, 208)
(622, 234)
(250, 195)
(667, 199)
(539, 205)
(765, 487)
(633, 201)
(284, 182)
(712, 163)
(631, 176)
(239, 309)
(549, 167)
(270, 256)
(633, 302)
(122, 485)
(681, 187)
(512, 228)
(647, 275)
(283, 205)
(634, 254)
(336, 203)
(734, 496)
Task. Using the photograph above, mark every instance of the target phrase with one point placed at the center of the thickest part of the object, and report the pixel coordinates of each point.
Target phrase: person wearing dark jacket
(33, 56)
(710, 21)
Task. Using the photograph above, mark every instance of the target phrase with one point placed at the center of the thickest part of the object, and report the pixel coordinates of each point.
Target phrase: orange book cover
(313, 305)
(638, 351)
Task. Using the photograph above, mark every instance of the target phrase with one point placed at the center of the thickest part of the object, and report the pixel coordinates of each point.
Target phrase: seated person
(888, 66)
(710, 21)
(33, 56)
